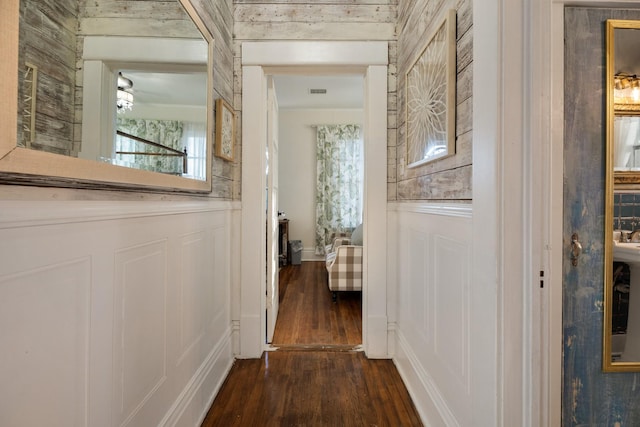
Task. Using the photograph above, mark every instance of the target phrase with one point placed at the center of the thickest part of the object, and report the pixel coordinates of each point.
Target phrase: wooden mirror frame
(25, 166)
(617, 180)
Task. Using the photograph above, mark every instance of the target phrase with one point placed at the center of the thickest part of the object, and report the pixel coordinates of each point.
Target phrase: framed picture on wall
(225, 125)
(431, 96)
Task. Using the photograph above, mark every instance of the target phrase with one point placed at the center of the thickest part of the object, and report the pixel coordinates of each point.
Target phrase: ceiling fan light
(123, 82)
(124, 100)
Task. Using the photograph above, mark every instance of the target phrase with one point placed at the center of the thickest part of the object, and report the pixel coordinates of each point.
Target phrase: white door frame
(308, 57)
(518, 122)
(545, 170)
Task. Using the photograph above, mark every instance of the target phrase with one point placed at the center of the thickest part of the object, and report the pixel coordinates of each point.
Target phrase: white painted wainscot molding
(113, 313)
(433, 308)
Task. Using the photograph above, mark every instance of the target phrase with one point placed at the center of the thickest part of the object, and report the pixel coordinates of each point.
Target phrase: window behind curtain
(339, 189)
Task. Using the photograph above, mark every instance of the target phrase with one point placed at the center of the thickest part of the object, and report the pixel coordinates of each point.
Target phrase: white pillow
(356, 236)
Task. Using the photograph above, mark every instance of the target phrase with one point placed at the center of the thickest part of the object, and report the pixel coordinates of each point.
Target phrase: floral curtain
(339, 185)
(165, 132)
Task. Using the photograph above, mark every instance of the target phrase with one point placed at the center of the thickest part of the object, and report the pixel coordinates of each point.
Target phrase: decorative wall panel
(44, 330)
(195, 289)
(140, 339)
(113, 313)
(434, 312)
(451, 306)
(420, 304)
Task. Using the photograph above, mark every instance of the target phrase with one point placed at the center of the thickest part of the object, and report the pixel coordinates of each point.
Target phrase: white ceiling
(292, 91)
(342, 91)
(174, 88)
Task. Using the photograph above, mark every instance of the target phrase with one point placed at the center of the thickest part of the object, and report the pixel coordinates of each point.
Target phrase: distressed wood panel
(589, 396)
(464, 148)
(315, 13)
(315, 31)
(139, 27)
(218, 17)
(333, 2)
(140, 9)
(47, 40)
(464, 51)
(415, 23)
(452, 184)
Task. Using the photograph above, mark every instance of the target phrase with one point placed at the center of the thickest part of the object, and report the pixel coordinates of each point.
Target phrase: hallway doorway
(259, 59)
(309, 319)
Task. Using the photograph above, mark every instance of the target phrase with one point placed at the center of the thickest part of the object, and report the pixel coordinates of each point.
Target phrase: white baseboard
(203, 387)
(309, 254)
(427, 399)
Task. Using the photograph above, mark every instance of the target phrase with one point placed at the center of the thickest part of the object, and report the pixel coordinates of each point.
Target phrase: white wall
(434, 319)
(113, 313)
(297, 169)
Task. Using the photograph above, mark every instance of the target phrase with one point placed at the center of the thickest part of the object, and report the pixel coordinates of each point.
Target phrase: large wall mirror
(621, 347)
(104, 98)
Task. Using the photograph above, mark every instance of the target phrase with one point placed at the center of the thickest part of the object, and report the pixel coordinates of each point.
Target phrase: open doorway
(259, 59)
(309, 106)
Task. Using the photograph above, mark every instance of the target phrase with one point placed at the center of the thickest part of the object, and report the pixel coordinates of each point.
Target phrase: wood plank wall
(345, 20)
(47, 40)
(450, 178)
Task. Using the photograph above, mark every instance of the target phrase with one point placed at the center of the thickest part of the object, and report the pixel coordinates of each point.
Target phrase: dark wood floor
(313, 388)
(308, 317)
(314, 378)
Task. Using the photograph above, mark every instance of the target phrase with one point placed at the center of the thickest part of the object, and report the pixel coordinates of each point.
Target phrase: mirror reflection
(621, 349)
(148, 113)
(161, 122)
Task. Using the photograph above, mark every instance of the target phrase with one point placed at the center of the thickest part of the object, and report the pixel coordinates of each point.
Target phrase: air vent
(317, 91)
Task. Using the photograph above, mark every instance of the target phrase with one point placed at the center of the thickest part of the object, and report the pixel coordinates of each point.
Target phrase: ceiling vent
(317, 91)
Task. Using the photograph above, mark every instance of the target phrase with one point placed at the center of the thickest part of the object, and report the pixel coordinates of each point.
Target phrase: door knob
(576, 249)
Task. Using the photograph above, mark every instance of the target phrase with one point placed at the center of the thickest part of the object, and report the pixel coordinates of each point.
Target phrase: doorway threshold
(317, 347)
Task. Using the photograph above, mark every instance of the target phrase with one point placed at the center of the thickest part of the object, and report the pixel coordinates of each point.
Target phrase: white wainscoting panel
(195, 292)
(44, 326)
(113, 313)
(433, 287)
(140, 319)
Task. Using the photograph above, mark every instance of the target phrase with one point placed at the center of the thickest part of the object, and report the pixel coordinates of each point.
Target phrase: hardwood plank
(313, 389)
(307, 315)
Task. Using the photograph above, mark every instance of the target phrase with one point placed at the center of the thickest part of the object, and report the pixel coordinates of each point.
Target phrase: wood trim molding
(312, 53)
(462, 210)
(16, 214)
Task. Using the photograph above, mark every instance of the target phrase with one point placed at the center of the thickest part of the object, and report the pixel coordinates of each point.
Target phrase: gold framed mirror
(25, 159)
(621, 326)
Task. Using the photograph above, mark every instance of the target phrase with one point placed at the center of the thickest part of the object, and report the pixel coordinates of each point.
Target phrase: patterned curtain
(165, 132)
(339, 185)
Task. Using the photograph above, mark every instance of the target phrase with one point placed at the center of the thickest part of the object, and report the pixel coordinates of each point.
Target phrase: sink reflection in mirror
(624, 312)
(621, 326)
